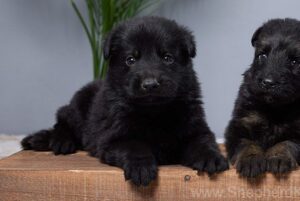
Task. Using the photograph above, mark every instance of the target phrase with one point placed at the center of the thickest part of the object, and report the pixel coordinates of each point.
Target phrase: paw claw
(140, 173)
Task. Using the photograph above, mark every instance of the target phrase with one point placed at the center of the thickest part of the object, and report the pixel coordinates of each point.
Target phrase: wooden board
(41, 176)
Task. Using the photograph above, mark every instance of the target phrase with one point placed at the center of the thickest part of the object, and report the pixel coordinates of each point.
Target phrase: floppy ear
(256, 36)
(190, 44)
(107, 46)
(247, 73)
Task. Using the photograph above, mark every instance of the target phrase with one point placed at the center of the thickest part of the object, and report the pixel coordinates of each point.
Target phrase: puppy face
(274, 76)
(148, 59)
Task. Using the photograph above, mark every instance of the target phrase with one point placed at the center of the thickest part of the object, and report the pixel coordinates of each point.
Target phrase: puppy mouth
(161, 95)
(276, 101)
(275, 96)
(150, 99)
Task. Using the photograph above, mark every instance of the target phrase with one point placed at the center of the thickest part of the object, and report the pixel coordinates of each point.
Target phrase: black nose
(268, 83)
(149, 84)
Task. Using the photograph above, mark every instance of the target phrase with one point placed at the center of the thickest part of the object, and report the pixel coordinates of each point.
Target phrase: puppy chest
(160, 125)
(269, 129)
(165, 142)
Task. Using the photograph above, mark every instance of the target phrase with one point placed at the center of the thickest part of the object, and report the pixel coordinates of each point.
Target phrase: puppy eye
(130, 60)
(168, 58)
(294, 63)
(262, 57)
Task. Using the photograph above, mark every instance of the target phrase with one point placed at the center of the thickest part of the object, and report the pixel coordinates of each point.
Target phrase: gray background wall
(45, 56)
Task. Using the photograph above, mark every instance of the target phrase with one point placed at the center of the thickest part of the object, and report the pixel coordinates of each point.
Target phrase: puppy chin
(269, 99)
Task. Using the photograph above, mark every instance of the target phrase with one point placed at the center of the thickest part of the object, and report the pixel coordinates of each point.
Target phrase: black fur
(147, 112)
(264, 133)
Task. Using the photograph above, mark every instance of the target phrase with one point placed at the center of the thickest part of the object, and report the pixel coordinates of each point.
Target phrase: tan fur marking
(280, 149)
(250, 149)
(252, 118)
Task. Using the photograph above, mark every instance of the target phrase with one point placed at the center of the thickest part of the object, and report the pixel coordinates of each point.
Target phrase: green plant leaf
(82, 21)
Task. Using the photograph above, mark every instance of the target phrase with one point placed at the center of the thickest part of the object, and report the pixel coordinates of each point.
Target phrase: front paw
(140, 171)
(281, 164)
(63, 146)
(210, 163)
(251, 165)
(280, 158)
(38, 141)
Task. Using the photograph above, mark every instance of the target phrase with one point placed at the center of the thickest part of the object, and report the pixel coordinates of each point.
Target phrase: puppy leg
(250, 159)
(135, 158)
(63, 140)
(282, 157)
(60, 139)
(247, 156)
(200, 150)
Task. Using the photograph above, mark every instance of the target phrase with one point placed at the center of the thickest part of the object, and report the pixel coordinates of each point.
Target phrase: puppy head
(274, 76)
(149, 58)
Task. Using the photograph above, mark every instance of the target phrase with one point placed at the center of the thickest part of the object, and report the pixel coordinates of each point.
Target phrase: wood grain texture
(41, 176)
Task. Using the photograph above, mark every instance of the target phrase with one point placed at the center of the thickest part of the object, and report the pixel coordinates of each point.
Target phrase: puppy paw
(280, 159)
(63, 146)
(281, 164)
(140, 171)
(251, 165)
(38, 141)
(211, 163)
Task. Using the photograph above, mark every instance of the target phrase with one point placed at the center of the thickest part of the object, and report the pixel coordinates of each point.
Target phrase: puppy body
(264, 133)
(146, 112)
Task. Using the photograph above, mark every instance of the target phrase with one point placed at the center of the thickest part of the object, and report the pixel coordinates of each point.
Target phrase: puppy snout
(149, 84)
(268, 83)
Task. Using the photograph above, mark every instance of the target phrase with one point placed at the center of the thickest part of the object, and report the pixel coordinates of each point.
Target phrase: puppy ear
(247, 73)
(190, 44)
(107, 46)
(256, 36)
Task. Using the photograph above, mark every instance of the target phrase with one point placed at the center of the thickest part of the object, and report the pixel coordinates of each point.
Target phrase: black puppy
(146, 112)
(264, 133)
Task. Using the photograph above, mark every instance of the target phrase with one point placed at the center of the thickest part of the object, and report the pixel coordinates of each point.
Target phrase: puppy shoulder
(87, 92)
